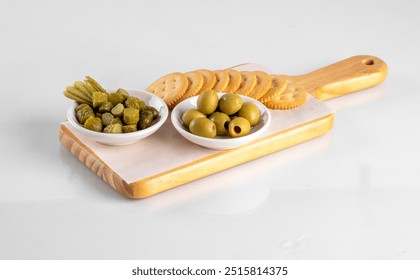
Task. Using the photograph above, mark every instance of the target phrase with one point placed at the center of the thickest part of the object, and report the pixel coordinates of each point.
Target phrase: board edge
(229, 158)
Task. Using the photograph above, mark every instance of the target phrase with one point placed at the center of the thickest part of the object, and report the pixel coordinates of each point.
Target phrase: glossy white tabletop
(353, 193)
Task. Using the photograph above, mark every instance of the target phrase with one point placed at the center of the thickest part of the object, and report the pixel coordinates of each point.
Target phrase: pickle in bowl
(108, 115)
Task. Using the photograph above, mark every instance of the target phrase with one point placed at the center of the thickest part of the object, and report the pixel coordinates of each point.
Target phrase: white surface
(220, 142)
(352, 194)
(125, 138)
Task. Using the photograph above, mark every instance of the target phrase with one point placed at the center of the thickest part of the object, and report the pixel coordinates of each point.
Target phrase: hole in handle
(368, 61)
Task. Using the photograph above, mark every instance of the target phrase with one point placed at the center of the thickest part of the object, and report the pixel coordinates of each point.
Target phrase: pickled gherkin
(82, 87)
(146, 119)
(90, 88)
(105, 107)
(131, 115)
(118, 110)
(117, 121)
(94, 84)
(84, 105)
(115, 112)
(129, 128)
(107, 118)
(143, 105)
(123, 92)
(99, 98)
(113, 128)
(154, 111)
(78, 97)
(116, 98)
(74, 92)
(93, 123)
(84, 113)
(132, 102)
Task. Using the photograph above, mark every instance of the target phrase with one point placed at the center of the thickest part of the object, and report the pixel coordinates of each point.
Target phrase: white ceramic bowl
(219, 142)
(125, 138)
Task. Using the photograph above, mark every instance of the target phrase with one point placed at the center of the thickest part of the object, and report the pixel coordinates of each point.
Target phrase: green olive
(250, 112)
(221, 120)
(203, 127)
(230, 103)
(239, 127)
(207, 102)
(191, 114)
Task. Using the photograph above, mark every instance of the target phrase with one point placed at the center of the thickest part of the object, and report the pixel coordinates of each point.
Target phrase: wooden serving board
(166, 160)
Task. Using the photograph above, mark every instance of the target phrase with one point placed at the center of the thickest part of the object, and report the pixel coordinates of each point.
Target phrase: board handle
(346, 76)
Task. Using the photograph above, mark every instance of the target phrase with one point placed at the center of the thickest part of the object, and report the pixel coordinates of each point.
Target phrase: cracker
(292, 97)
(195, 83)
(235, 79)
(278, 85)
(262, 86)
(249, 80)
(270, 94)
(209, 79)
(222, 80)
(170, 88)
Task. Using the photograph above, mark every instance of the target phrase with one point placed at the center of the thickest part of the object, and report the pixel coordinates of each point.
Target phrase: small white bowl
(219, 142)
(124, 138)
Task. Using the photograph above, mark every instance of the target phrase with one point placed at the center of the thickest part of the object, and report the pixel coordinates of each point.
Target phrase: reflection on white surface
(238, 189)
(293, 248)
(228, 193)
(355, 196)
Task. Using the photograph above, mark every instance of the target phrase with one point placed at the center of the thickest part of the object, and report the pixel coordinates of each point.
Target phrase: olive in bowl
(222, 140)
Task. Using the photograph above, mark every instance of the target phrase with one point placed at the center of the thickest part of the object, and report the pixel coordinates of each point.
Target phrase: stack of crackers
(274, 91)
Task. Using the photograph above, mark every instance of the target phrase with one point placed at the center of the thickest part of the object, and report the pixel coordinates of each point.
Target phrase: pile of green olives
(116, 112)
(228, 115)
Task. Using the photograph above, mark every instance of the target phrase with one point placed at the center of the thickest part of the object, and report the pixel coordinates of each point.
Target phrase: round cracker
(170, 87)
(278, 81)
(209, 79)
(235, 79)
(195, 83)
(292, 97)
(272, 93)
(262, 86)
(278, 85)
(222, 80)
(249, 80)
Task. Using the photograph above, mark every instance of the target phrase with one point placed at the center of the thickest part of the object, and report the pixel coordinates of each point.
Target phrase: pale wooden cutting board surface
(166, 160)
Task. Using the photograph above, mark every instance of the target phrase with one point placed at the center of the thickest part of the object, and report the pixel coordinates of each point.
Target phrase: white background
(351, 194)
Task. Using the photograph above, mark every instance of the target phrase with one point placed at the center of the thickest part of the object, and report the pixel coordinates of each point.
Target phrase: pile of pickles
(115, 112)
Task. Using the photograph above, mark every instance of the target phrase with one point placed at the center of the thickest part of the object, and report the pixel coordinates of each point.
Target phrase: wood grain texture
(230, 158)
(349, 75)
(199, 168)
(92, 161)
(344, 77)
